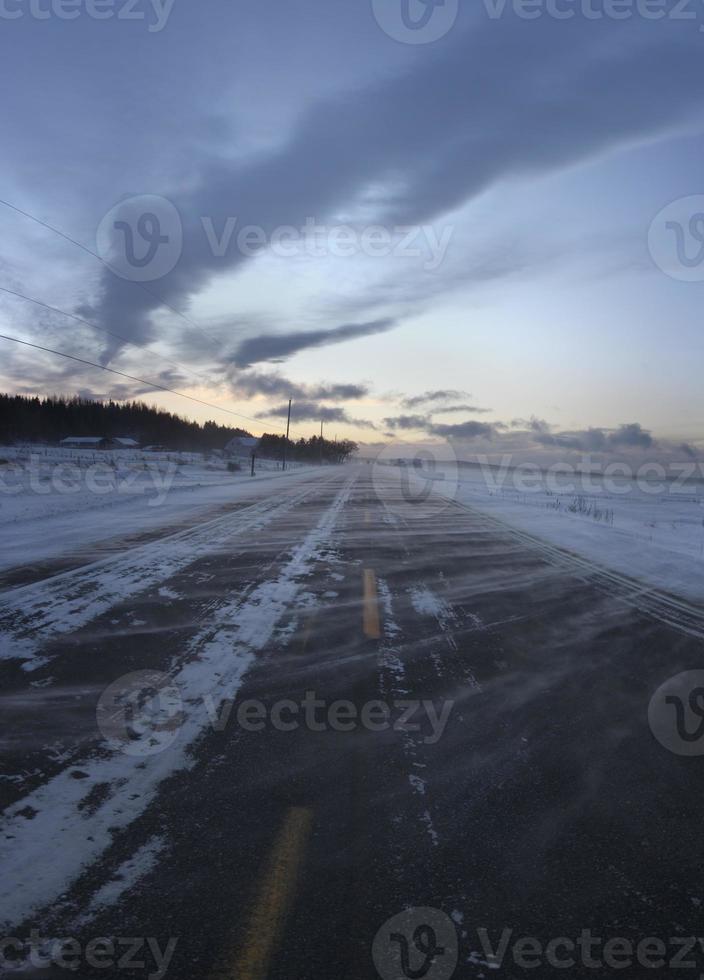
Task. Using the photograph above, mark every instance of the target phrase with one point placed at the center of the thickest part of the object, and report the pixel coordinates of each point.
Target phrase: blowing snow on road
(255, 740)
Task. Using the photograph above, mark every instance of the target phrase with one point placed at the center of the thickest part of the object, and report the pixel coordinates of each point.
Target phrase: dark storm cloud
(688, 450)
(442, 133)
(277, 347)
(532, 432)
(407, 422)
(533, 423)
(631, 436)
(275, 385)
(464, 430)
(314, 412)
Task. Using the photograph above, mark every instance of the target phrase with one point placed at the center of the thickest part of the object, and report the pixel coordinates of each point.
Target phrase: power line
(130, 377)
(73, 316)
(110, 333)
(73, 241)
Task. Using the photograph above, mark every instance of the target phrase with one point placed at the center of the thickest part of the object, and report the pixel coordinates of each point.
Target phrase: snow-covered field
(55, 501)
(651, 530)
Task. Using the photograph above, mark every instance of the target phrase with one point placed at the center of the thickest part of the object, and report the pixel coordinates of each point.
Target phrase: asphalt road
(451, 717)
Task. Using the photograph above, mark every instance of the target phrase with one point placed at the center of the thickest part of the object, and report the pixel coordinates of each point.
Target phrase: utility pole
(288, 425)
(321, 442)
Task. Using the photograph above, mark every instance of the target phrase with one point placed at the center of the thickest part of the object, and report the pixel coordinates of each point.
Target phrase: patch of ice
(33, 614)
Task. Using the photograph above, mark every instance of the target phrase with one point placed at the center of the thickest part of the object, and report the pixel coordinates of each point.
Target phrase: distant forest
(48, 420)
(52, 419)
(311, 450)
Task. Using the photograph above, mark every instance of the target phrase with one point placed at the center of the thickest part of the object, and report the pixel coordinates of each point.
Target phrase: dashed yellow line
(275, 894)
(367, 517)
(370, 606)
(308, 630)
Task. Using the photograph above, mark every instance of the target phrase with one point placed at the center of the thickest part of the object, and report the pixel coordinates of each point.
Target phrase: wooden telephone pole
(288, 426)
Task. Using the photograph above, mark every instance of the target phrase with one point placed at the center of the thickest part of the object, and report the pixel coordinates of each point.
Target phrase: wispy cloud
(469, 409)
(277, 347)
(427, 397)
(440, 151)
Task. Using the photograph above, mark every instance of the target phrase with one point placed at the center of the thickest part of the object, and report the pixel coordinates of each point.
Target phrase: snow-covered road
(158, 745)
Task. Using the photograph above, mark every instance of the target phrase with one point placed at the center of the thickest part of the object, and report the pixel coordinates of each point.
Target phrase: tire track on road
(50, 831)
(34, 614)
(667, 609)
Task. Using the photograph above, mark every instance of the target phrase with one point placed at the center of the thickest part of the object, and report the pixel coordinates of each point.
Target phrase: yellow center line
(367, 517)
(308, 630)
(276, 891)
(370, 615)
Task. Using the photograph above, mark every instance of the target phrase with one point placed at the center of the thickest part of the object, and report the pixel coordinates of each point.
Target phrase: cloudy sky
(474, 221)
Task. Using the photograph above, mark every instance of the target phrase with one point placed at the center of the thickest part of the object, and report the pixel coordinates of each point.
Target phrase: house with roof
(122, 442)
(242, 446)
(84, 442)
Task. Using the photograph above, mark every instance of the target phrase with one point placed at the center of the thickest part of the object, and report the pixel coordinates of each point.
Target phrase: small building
(84, 442)
(121, 442)
(242, 446)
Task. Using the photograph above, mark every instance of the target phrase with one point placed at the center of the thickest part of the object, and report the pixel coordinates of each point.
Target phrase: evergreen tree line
(48, 420)
(313, 450)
